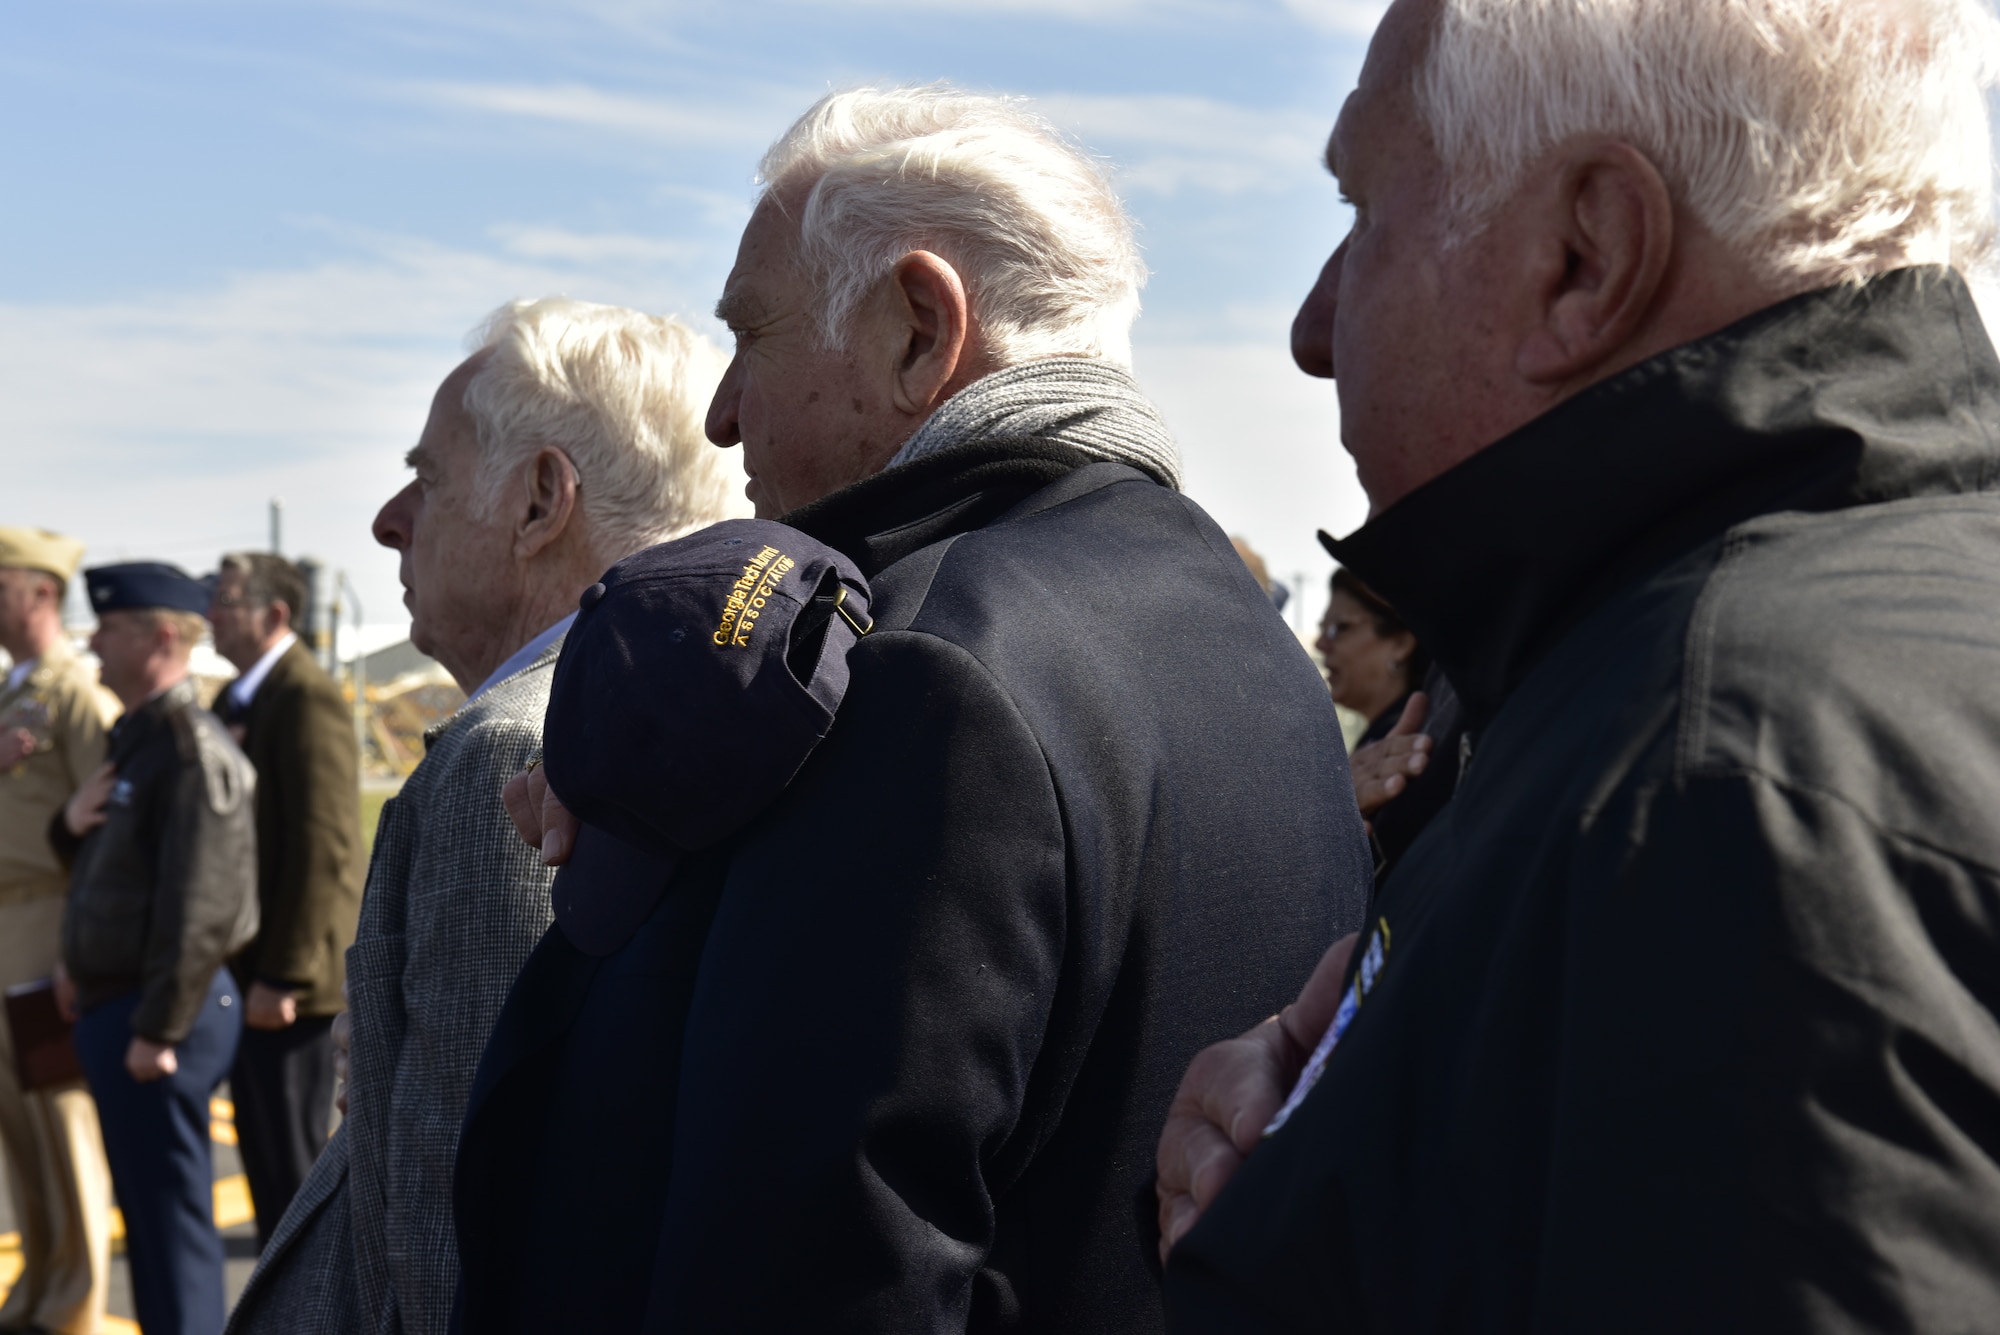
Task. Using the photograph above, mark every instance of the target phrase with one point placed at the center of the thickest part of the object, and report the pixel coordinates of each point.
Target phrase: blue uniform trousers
(156, 1137)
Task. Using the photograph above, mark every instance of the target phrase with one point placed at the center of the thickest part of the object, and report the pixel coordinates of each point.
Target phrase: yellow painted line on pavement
(232, 1201)
(232, 1207)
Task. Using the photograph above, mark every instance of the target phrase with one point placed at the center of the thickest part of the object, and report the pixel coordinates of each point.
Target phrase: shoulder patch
(1373, 956)
(226, 775)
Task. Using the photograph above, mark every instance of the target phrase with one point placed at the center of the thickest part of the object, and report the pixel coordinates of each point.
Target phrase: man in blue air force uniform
(161, 846)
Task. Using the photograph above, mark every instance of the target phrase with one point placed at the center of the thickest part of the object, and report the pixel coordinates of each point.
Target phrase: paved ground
(232, 1202)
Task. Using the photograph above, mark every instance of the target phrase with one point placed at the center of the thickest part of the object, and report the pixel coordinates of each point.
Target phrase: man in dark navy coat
(894, 1058)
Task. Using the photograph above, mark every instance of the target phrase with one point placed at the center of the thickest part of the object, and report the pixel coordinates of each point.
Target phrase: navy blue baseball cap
(138, 586)
(697, 678)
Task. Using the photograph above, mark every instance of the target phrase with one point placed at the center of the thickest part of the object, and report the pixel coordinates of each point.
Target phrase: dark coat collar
(1841, 397)
(135, 726)
(882, 519)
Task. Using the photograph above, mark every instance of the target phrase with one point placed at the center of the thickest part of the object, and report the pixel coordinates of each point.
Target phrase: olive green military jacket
(165, 889)
(299, 734)
(69, 715)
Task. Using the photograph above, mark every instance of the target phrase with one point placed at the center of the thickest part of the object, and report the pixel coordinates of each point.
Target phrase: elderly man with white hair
(570, 438)
(893, 1058)
(1680, 426)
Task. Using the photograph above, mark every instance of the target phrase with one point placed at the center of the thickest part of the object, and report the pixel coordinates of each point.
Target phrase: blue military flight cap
(696, 679)
(142, 585)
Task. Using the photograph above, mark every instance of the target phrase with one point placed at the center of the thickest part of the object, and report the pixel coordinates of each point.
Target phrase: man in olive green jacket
(299, 733)
(53, 722)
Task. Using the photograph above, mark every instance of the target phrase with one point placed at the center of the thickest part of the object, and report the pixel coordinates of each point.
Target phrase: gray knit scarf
(1086, 403)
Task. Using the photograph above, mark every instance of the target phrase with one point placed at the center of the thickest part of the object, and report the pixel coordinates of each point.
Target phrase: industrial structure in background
(397, 692)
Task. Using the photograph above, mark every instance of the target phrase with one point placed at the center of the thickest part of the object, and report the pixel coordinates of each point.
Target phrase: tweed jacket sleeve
(455, 902)
(308, 831)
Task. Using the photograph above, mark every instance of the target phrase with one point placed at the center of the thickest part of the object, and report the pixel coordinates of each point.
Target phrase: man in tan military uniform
(53, 722)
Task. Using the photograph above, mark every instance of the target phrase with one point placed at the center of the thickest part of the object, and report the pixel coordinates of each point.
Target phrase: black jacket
(897, 1059)
(165, 889)
(299, 734)
(1397, 823)
(1686, 1017)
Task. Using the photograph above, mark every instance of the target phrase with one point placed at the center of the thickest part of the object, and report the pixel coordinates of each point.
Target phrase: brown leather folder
(44, 1056)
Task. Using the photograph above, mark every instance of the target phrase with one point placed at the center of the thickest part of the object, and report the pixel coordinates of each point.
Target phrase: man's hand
(1384, 768)
(270, 1007)
(1231, 1092)
(84, 811)
(16, 745)
(149, 1061)
(342, 1031)
(65, 994)
(540, 815)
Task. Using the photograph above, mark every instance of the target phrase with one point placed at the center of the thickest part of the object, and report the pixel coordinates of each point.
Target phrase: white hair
(1027, 218)
(1822, 140)
(623, 394)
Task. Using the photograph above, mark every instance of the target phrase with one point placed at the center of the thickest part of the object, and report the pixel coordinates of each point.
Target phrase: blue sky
(242, 242)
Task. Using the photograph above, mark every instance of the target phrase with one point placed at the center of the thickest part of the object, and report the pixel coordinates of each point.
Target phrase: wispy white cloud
(555, 243)
(1349, 18)
(733, 123)
(162, 425)
(722, 209)
(1096, 11)
(1164, 144)
(1354, 18)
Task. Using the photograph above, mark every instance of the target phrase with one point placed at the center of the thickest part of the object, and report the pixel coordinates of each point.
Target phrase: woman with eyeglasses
(1405, 765)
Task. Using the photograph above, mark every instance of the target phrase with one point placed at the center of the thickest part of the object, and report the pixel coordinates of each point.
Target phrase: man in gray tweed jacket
(498, 538)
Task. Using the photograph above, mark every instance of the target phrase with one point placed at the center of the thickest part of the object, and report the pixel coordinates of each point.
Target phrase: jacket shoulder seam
(1698, 655)
(999, 689)
(1875, 824)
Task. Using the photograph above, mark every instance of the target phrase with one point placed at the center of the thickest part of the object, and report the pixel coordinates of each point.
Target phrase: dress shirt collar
(523, 656)
(244, 689)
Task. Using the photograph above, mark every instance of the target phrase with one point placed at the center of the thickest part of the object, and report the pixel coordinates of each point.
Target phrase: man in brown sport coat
(299, 732)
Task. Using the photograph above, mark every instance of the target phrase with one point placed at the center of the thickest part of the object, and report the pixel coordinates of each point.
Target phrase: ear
(281, 614)
(927, 299)
(1601, 263)
(549, 488)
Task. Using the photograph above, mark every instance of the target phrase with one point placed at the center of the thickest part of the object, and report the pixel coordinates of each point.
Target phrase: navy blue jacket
(897, 1057)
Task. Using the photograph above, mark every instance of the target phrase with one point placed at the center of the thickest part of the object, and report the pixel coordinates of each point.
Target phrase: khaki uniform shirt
(69, 715)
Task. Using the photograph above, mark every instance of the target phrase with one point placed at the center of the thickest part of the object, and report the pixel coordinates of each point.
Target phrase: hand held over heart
(539, 815)
(1231, 1092)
